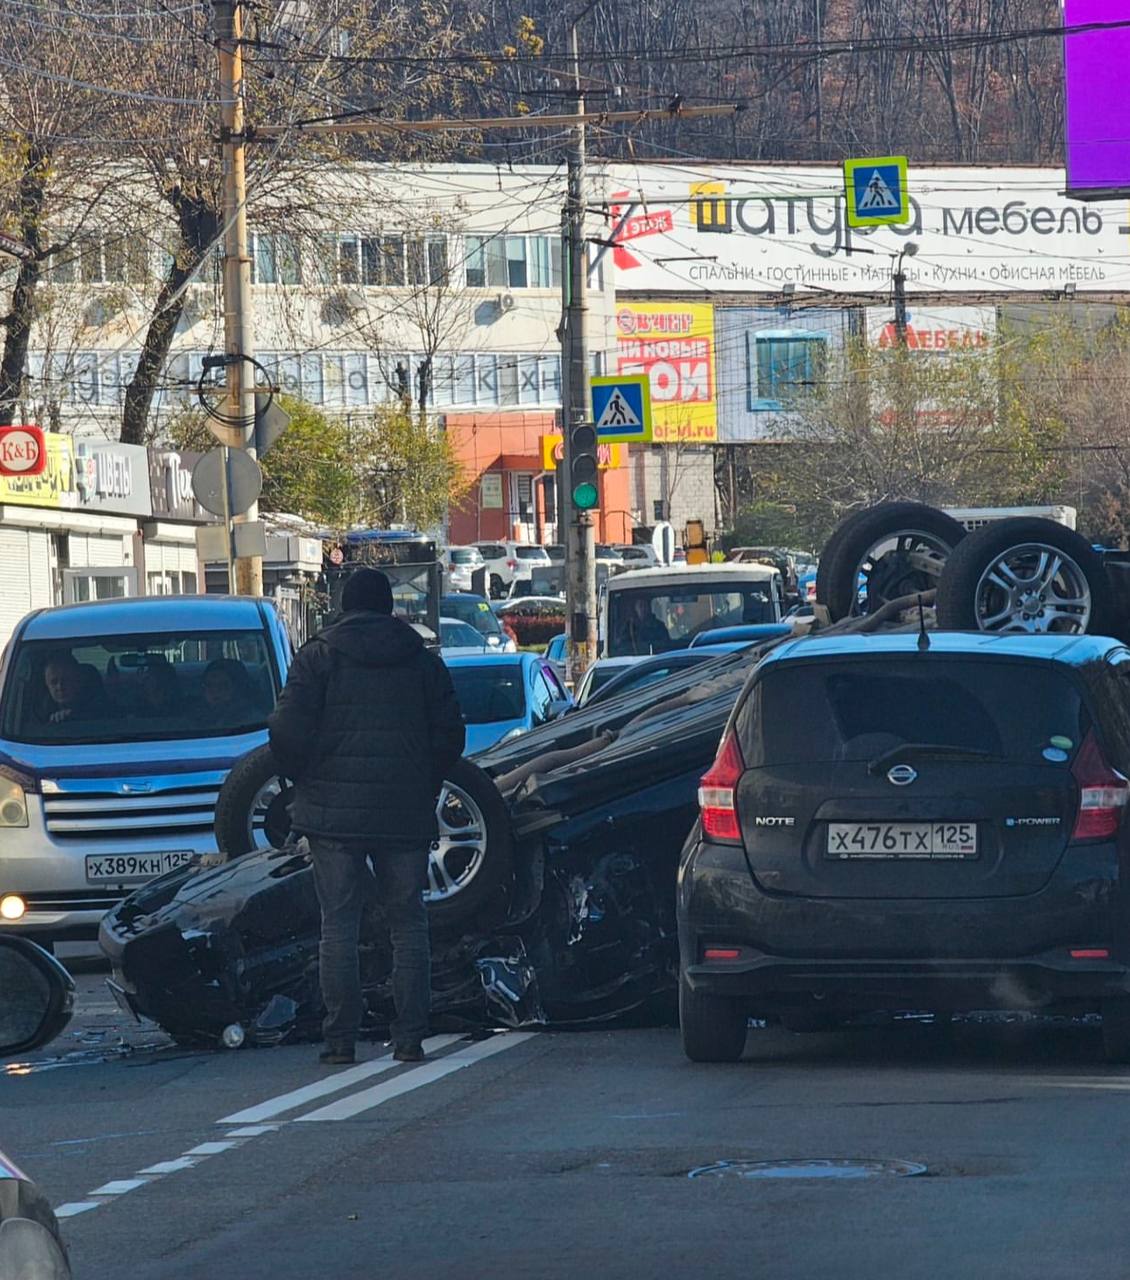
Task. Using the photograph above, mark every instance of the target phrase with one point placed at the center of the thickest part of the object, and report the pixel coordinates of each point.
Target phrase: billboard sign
(775, 230)
(1097, 126)
(673, 343)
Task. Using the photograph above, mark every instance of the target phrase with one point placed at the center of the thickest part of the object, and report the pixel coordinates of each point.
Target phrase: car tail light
(1090, 953)
(722, 953)
(1103, 793)
(716, 800)
(512, 564)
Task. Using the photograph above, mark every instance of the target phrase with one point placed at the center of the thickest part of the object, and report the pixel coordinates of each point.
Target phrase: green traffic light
(585, 497)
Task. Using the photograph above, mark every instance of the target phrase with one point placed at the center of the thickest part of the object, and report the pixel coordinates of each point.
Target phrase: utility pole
(239, 331)
(579, 537)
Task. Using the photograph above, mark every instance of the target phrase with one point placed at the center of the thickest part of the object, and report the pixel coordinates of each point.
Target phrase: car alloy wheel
(457, 856)
(1033, 588)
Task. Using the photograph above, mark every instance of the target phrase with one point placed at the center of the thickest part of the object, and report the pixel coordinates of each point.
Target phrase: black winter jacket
(366, 725)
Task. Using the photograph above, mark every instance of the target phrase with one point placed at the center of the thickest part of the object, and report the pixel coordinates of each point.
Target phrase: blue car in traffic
(503, 695)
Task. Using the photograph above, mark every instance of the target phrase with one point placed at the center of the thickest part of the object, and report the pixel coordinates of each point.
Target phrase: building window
(659, 509)
(513, 262)
(779, 366)
(93, 257)
(276, 259)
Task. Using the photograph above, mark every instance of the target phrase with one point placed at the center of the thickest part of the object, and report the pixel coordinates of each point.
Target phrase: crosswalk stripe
(272, 1107)
(355, 1103)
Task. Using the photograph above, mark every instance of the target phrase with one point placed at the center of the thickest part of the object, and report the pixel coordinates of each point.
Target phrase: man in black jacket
(366, 726)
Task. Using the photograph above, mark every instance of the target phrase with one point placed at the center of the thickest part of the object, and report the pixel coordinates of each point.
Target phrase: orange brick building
(512, 494)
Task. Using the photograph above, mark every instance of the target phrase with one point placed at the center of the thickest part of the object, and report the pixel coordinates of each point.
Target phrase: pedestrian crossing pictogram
(875, 191)
(621, 408)
(618, 412)
(877, 195)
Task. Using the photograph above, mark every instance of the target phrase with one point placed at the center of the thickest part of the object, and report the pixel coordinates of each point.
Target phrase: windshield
(192, 684)
(810, 713)
(531, 553)
(490, 693)
(458, 635)
(656, 619)
(474, 611)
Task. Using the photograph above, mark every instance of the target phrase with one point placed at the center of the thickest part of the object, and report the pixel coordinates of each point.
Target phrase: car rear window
(465, 555)
(828, 712)
(491, 550)
(531, 553)
(474, 611)
(490, 693)
(110, 689)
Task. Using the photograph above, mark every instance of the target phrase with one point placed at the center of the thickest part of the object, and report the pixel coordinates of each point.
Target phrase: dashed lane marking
(296, 1098)
(347, 1108)
(354, 1104)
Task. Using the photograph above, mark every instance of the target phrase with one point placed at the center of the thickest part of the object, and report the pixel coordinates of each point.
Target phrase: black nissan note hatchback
(889, 826)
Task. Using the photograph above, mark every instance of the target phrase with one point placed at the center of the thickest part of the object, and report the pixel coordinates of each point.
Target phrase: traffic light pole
(579, 539)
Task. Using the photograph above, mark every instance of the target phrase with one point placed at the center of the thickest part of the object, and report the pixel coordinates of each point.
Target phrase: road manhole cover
(808, 1169)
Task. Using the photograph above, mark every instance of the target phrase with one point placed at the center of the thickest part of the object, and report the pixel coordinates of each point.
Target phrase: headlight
(13, 804)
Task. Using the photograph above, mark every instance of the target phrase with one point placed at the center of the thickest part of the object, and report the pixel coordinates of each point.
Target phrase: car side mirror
(558, 707)
(36, 996)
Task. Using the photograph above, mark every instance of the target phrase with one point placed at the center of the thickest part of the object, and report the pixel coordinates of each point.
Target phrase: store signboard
(54, 486)
(112, 477)
(673, 343)
(783, 229)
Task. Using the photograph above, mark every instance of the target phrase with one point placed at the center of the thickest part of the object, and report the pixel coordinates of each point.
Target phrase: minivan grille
(179, 810)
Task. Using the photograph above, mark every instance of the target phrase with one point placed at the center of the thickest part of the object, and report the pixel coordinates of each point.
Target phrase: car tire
(712, 1028)
(471, 864)
(251, 778)
(1116, 1030)
(981, 589)
(838, 571)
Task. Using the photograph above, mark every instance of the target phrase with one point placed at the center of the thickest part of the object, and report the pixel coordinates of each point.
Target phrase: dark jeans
(341, 876)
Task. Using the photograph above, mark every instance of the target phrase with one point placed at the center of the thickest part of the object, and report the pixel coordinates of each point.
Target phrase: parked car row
(508, 564)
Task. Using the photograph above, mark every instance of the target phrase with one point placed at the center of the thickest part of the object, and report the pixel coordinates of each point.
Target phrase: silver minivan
(119, 721)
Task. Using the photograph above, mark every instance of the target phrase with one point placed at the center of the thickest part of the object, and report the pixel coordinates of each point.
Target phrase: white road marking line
(252, 1131)
(170, 1166)
(346, 1108)
(119, 1187)
(74, 1209)
(273, 1107)
(211, 1148)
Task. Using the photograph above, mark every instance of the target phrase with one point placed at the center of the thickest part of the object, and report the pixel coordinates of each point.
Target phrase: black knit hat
(367, 589)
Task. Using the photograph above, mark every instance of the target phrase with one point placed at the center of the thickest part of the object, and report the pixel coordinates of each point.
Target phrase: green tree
(377, 469)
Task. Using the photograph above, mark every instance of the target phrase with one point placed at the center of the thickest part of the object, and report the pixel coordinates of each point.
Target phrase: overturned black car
(551, 897)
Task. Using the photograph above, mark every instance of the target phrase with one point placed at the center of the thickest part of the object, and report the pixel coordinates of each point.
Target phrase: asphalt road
(567, 1155)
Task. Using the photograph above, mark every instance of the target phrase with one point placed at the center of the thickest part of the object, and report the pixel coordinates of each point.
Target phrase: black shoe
(412, 1051)
(337, 1056)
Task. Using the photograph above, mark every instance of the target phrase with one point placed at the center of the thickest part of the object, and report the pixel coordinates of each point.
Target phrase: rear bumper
(770, 983)
(948, 953)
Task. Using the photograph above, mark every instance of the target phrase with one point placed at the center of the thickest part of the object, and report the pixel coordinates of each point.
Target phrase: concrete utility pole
(239, 330)
(579, 537)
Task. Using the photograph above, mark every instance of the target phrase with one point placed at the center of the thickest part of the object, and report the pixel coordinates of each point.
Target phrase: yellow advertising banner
(673, 343)
(608, 456)
(56, 487)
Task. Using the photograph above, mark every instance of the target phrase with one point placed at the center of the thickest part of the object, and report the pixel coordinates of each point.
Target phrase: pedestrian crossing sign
(875, 190)
(621, 408)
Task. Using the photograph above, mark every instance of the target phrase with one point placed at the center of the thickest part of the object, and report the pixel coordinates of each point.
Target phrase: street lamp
(908, 251)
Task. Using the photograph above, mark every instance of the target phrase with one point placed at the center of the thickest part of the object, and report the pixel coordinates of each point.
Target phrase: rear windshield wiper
(926, 751)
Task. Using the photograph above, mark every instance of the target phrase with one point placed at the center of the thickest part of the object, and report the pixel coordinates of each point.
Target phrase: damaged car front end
(572, 921)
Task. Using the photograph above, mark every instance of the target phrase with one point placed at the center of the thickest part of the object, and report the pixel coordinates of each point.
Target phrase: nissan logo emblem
(902, 775)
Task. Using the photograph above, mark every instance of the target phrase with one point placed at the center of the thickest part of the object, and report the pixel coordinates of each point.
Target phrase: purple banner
(1097, 75)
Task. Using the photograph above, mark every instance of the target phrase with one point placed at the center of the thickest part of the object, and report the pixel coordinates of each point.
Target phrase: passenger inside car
(74, 691)
(160, 689)
(228, 696)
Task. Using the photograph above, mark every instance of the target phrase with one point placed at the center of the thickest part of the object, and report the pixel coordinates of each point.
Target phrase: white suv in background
(459, 564)
(506, 561)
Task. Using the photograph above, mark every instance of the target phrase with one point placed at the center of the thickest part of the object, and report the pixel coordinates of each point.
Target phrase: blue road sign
(621, 408)
(875, 189)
